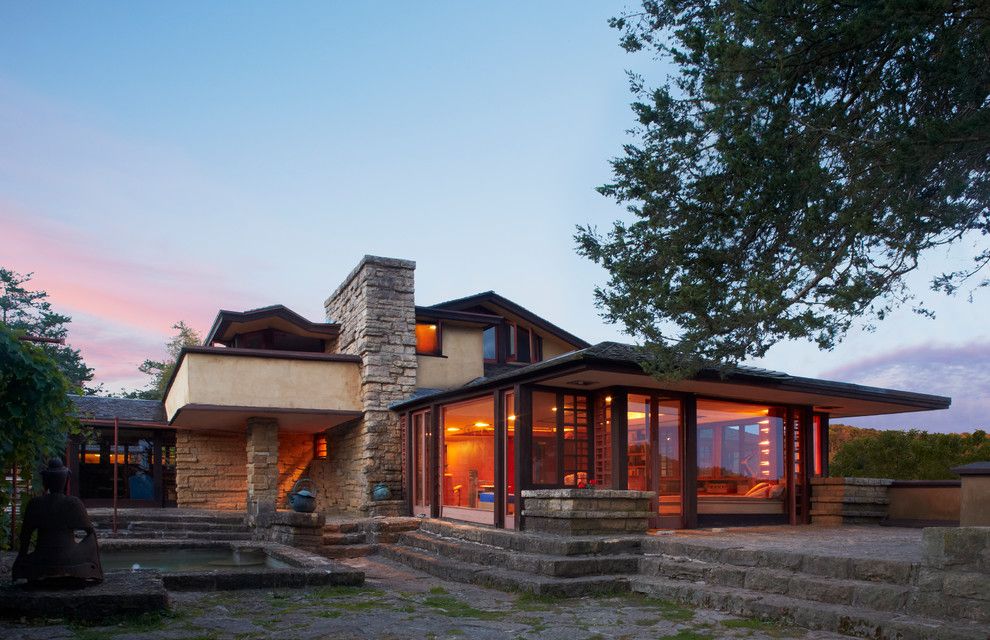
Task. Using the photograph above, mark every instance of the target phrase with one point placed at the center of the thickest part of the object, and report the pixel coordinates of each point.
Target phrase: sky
(162, 161)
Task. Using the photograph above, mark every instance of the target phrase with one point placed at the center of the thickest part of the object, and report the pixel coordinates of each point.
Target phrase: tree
(31, 313)
(36, 413)
(161, 371)
(804, 158)
(907, 455)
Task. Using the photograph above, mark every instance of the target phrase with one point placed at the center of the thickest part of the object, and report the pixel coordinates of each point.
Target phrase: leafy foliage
(30, 312)
(161, 370)
(801, 162)
(36, 413)
(905, 455)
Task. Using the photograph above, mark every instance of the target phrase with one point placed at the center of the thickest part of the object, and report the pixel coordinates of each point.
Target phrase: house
(456, 408)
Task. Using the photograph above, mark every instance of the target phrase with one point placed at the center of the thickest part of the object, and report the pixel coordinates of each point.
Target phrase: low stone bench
(303, 530)
(579, 512)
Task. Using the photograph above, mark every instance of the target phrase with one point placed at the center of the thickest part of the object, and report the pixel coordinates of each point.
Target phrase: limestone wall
(210, 470)
(375, 308)
(837, 501)
(295, 451)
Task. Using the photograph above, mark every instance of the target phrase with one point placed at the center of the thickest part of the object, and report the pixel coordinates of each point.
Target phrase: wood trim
(500, 431)
(823, 426)
(434, 471)
(807, 419)
(789, 475)
(620, 439)
(408, 461)
(689, 463)
(523, 447)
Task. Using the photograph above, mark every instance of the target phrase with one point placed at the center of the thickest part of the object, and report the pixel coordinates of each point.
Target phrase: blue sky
(161, 161)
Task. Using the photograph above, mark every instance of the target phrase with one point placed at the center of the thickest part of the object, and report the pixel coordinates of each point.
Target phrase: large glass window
(575, 423)
(468, 484)
(669, 449)
(145, 468)
(638, 442)
(740, 458)
(544, 438)
(509, 408)
(427, 339)
(420, 462)
(603, 441)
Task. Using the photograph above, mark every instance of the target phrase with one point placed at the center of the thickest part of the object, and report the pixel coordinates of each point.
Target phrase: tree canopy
(906, 455)
(161, 370)
(36, 413)
(801, 161)
(31, 313)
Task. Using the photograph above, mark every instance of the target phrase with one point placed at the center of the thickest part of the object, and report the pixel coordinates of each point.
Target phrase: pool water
(176, 560)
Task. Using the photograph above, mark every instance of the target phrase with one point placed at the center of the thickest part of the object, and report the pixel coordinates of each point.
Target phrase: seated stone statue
(57, 558)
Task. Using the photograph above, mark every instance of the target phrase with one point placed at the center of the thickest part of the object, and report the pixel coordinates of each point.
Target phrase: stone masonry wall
(210, 471)
(375, 307)
(295, 451)
(337, 479)
(836, 501)
(262, 467)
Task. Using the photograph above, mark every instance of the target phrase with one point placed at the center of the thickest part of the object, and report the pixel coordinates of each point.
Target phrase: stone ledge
(118, 594)
(855, 482)
(298, 519)
(605, 494)
(587, 515)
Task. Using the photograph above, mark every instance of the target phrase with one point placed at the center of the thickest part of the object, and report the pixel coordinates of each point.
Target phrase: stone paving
(399, 603)
(878, 543)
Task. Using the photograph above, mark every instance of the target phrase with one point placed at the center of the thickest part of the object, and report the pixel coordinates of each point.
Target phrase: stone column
(375, 307)
(262, 470)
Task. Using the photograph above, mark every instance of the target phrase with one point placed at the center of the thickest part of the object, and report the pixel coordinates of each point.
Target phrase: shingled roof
(125, 409)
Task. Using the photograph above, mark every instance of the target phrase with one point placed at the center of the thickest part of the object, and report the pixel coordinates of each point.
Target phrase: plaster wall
(924, 503)
(461, 361)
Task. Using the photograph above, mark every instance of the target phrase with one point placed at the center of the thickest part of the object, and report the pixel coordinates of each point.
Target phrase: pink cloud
(957, 371)
(123, 305)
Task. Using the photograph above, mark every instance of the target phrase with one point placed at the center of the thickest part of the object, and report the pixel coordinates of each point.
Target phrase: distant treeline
(902, 455)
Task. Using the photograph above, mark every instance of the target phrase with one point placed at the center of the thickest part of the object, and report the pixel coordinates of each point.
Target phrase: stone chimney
(376, 310)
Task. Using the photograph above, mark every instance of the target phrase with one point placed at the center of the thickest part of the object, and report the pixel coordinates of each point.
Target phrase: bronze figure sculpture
(57, 558)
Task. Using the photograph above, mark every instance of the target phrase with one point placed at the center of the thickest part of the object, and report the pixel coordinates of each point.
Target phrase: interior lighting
(764, 443)
(453, 429)
(481, 424)
(511, 418)
(764, 463)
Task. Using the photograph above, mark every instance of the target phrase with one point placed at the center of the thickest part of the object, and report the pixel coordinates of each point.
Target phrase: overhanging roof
(610, 364)
(492, 298)
(99, 409)
(227, 323)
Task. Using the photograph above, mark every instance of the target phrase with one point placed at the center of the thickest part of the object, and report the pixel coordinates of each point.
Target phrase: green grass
(142, 623)
(438, 591)
(769, 627)
(668, 610)
(533, 602)
(690, 634)
(452, 607)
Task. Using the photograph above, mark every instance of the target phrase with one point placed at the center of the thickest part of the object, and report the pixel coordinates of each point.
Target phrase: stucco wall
(923, 503)
(461, 361)
(211, 470)
(271, 382)
(553, 347)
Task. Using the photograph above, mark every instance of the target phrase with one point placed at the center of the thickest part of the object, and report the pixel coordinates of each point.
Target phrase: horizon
(165, 162)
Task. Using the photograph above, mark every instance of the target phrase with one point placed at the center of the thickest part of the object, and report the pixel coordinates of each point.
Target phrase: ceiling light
(511, 418)
(452, 429)
(481, 424)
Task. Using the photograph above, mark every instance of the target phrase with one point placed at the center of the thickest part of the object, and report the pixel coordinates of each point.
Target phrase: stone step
(336, 538)
(144, 525)
(830, 566)
(534, 543)
(346, 550)
(176, 535)
(541, 564)
(504, 579)
(344, 526)
(857, 593)
(852, 621)
(168, 515)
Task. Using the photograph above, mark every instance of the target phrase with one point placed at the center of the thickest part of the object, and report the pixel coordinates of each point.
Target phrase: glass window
(669, 431)
(544, 438)
(469, 458)
(320, 446)
(421, 444)
(603, 441)
(509, 407)
(740, 458)
(490, 343)
(638, 442)
(427, 339)
(522, 346)
(537, 348)
(576, 442)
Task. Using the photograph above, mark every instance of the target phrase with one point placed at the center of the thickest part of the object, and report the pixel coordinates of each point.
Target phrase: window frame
(438, 351)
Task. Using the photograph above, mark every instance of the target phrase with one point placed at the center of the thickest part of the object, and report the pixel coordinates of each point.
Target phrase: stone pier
(580, 512)
(262, 469)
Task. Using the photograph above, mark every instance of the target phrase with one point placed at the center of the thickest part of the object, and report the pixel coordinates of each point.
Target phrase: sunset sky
(161, 161)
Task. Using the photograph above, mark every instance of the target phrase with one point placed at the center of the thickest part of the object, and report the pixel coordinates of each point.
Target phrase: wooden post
(689, 462)
(116, 435)
(501, 426)
(13, 508)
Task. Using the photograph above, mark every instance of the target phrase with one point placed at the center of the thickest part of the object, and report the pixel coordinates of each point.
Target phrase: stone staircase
(563, 566)
(860, 597)
(357, 537)
(171, 524)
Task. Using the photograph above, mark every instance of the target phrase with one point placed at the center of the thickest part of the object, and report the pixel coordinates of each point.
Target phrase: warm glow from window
(453, 429)
(481, 424)
(427, 339)
(511, 418)
(635, 415)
